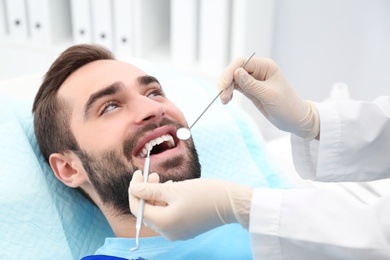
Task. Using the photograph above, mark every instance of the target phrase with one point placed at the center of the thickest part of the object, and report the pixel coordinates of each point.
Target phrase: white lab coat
(318, 223)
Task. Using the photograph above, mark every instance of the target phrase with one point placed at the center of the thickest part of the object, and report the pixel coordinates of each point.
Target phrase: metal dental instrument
(184, 133)
(140, 213)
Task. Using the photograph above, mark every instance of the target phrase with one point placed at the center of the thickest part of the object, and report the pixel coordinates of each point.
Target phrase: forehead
(97, 75)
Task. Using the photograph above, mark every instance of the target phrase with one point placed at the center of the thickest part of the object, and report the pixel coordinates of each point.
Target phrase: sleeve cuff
(264, 222)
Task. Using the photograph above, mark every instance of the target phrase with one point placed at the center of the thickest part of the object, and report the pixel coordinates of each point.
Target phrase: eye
(155, 93)
(108, 106)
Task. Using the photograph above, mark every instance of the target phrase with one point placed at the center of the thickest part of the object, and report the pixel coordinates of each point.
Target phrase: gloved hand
(263, 83)
(182, 210)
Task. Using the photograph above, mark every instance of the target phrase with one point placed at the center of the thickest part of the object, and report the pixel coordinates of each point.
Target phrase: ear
(68, 169)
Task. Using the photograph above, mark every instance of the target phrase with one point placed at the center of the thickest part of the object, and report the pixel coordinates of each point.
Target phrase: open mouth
(158, 145)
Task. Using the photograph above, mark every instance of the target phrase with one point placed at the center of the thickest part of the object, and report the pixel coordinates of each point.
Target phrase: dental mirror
(184, 133)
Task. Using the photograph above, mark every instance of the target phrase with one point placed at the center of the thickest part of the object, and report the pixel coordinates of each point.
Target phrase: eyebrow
(146, 80)
(107, 91)
(113, 89)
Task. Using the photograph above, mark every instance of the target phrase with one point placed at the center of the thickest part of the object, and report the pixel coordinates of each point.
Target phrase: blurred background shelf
(316, 43)
(195, 34)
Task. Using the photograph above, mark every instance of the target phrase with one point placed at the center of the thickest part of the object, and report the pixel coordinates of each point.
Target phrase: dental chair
(41, 218)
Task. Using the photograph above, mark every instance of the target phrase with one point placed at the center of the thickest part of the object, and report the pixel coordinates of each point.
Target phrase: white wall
(317, 43)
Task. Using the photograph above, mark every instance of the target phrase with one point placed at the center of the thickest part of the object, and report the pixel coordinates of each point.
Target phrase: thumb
(242, 78)
(147, 191)
(252, 88)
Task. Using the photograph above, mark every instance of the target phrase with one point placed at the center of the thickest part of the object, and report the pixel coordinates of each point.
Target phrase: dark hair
(51, 115)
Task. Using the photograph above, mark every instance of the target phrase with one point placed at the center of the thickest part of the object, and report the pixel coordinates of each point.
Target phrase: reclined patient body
(107, 111)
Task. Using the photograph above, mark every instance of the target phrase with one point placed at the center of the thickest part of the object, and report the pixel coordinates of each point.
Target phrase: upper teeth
(164, 138)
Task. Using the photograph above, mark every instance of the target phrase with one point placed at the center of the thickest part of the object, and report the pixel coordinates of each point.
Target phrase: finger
(227, 95)
(226, 78)
(157, 218)
(133, 200)
(148, 191)
(261, 68)
(241, 77)
(153, 214)
(154, 178)
(137, 177)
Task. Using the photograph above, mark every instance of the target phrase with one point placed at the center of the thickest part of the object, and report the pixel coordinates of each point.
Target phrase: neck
(124, 225)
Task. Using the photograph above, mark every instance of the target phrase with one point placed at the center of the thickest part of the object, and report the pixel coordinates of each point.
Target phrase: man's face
(116, 111)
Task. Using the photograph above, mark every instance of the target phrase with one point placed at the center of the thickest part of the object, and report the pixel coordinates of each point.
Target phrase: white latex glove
(263, 83)
(182, 210)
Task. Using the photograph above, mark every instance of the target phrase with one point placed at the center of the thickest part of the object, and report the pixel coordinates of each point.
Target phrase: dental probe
(140, 213)
(184, 133)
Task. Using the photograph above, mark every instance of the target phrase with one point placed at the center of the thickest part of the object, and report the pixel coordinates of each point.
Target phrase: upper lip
(149, 136)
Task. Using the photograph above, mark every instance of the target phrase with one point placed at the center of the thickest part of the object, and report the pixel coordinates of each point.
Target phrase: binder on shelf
(81, 21)
(16, 20)
(123, 27)
(49, 21)
(151, 33)
(184, 30)
(102, 29)
(252, 27)
(3, 22)
(214, 34)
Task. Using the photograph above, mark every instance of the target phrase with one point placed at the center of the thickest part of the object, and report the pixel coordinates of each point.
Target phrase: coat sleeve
(354, 143)
(318, 224)
(321, 223)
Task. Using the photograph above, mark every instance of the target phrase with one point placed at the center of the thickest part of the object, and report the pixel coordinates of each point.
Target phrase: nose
(148, 111)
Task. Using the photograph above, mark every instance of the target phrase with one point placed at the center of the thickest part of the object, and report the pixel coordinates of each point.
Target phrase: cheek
(100, 137)
(175, 112)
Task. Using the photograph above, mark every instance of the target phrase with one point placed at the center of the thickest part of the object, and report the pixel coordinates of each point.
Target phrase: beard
(110, 172)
